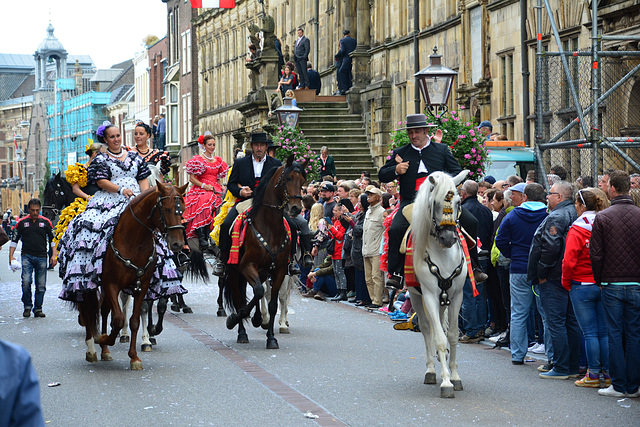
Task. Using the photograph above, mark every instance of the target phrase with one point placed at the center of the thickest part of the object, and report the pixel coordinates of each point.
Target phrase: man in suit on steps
(301, 56)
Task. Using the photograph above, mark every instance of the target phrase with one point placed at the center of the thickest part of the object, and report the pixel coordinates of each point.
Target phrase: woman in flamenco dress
(206, 172)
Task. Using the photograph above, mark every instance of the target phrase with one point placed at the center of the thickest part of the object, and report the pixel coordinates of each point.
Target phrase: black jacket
(437, 158)
(347, 45)
(485, 220)
(314, 80)
(302, 49)
(242, 174)
(547, 247)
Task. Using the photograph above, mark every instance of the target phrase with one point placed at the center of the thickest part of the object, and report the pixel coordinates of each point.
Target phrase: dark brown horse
(130, 262)
(266, 249)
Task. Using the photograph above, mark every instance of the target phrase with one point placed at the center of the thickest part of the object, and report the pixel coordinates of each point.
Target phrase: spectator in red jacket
(337, 231)
(586, 296)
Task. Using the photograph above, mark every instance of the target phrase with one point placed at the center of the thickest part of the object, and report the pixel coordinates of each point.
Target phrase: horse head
(444, 207)
(58, 194)
(294, 177)
(170, 206)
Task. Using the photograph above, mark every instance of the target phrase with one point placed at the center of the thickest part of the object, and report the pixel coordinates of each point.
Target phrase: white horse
(440, 267)
(283, 297)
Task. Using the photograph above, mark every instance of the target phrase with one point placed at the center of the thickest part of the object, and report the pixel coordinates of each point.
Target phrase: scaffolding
(604, 135)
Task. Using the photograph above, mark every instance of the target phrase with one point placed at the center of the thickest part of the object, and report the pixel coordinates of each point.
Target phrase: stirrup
(219, 268)
(394, 282)
(293, 269)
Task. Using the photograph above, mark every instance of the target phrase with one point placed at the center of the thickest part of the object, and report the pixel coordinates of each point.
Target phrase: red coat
(576, 264)
(337, 232)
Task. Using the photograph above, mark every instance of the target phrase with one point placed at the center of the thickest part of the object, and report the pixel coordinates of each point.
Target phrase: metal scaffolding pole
(595, 85)
(539, 94)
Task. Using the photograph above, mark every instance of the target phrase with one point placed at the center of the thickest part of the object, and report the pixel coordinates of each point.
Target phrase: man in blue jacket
(514, 241)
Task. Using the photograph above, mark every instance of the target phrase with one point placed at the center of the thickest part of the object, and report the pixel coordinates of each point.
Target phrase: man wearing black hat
(411, 165)
(347, 45)
(245, 177)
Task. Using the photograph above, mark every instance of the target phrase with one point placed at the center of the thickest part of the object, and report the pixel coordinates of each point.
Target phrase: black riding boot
(203, 239)
(305, 246)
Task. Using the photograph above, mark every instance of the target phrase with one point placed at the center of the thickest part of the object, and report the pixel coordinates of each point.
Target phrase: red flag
(15, 142)
(221, 4)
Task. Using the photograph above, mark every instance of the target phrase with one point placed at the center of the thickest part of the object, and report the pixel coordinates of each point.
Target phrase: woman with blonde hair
(586, 296)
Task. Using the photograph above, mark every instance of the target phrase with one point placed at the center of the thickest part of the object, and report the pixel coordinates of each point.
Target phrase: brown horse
(130, 262)
(266, 249)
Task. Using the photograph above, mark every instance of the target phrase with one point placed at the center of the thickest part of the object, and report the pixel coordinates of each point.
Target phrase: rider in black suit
(411, 164)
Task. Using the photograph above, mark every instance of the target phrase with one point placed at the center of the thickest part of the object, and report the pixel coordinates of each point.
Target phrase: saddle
(239, 229)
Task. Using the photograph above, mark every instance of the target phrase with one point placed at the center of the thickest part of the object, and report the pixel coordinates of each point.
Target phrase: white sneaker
(610, 391)
(533, 347)
(539, 349)
(498, 337)
(634, 395)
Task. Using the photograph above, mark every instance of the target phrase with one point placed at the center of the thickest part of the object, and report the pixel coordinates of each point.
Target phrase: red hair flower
(201, 139)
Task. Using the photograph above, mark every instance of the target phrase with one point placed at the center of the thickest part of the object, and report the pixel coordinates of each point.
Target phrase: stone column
(361, 57)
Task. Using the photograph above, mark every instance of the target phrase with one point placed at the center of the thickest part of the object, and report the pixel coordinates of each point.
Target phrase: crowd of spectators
(547, 282)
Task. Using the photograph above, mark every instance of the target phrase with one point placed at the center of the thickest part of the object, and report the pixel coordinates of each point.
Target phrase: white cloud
(108, 31)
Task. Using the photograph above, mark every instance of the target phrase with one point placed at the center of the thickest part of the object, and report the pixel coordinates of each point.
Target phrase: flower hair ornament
(201, 139)
(100, 131)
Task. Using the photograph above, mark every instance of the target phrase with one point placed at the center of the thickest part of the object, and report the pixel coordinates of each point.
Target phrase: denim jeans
(31, 264)
(521, 300)
(587, 304)
(562, 326)
(546, 335)
(622, 312)
(474, 309)
(326, 284)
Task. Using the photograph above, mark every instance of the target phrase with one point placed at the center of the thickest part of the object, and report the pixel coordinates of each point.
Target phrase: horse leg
(174, 303)
(162, 309)
(221, 312)
(105, 354)
(264, 307)
(110, 292)
(283, 296)
(243, 338)
(185, 308)
(84, 310)
(431, 305)
(425, 329)
(145, 318)
(272, 342)
(452, 336)
(253, 278)
(134, 322)
(124, 306)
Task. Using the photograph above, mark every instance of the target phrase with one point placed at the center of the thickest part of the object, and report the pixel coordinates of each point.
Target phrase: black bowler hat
(417, 121)
(260, 138)
(272, 146)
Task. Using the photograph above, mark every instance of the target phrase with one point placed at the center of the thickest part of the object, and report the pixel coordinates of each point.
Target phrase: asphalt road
(344, 364)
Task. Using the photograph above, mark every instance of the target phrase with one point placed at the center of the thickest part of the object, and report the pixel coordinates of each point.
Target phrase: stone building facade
(490, 43)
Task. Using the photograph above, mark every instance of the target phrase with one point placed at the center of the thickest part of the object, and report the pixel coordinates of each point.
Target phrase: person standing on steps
(301, 56)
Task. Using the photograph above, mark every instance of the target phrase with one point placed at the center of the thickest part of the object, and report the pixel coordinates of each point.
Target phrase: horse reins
(140, 271)
(287, 197)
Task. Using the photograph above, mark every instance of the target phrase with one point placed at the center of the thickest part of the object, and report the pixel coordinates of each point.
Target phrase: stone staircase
(329, 123)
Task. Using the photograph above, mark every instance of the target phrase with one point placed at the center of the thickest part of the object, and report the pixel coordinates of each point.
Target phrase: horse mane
(422, 224)
(140, 197)
(260, 190)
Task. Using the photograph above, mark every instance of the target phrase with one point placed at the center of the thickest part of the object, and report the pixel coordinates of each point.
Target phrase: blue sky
(109, 31)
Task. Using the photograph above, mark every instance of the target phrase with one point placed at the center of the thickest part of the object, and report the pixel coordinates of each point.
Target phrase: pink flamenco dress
(200, 203)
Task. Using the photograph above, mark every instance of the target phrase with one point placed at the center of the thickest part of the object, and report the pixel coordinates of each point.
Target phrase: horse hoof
(153, 341)
(447, 392)
(146, 347)
(221, 312)
(256, 320)
(124, 338)
(284, 330)
(187, 310)
(457, 385)
(106, 357)
(175, 307)
(430, 378)
(91, 357)
(232, 321)
(272, 344)
(242, 339)
(136, 365)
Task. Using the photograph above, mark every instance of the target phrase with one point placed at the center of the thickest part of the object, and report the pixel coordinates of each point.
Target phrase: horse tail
(89, 309)
(235, 290)
(421, 220)
(197, 267)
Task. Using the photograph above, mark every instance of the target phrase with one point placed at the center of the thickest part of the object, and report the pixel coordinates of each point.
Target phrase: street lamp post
(435, 83)
(288, 114)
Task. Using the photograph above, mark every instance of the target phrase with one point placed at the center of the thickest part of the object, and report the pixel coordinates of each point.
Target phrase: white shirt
(258, 166)
(422, 168)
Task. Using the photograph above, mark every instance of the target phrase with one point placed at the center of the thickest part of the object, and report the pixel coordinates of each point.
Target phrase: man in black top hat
(347, 45)
(245, 177)
(410, 165)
